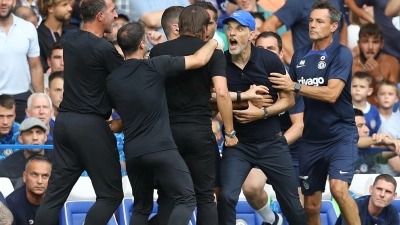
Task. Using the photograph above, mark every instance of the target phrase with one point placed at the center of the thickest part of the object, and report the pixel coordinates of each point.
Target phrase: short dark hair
(38, 158)
(54, 75)
(129, 37)
(90, 8)
(170, 16)
(267, 34)
(334, 14)
(387, 178)
(56, 45)
(7, 101)
(363, 76)
(358, 112)
(258, 15)
(193, 20)
(370, 29)
(207, 5)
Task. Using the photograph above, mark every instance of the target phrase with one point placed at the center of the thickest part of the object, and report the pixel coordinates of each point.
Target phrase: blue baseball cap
(242, 17)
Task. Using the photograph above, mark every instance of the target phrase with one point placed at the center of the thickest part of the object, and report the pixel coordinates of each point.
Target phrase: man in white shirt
(20, 58)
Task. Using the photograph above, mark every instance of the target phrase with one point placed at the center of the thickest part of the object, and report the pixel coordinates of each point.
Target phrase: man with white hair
(40, 106)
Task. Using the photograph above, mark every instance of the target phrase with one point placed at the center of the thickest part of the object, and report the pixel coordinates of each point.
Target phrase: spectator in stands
(8, 126)
(372, 60)
(361, 89)
(295, 14)
(116, 25)
(24, 201)
(259, 18)
(390, 33)
(386, 95)
(6, 216)
(170, 22)
(368, 160)
(82, 129)
(216, 128)
(188, 104)
(26, 13)
(54, 26)
(55, 60)
(55, 91)
(31, 132)
(40, 106)
(150, 11)
(20, 59)
(376, 208)
(252, 6)
(393, 8)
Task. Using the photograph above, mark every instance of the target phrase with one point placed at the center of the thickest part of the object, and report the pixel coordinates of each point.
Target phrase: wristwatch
(265, 113)
(231, 134)
(297, 87)
(238, 96)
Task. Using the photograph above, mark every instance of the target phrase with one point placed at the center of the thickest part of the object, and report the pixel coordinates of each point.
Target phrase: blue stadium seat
(246, 213)
(124, 212)
(74, 213)
(396, 203)
(327, 212)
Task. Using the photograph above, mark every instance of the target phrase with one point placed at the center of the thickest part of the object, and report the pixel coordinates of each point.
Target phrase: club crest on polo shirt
(7, 152)
(321, 65)
(315, 81)
(31, 222)
(241, 222)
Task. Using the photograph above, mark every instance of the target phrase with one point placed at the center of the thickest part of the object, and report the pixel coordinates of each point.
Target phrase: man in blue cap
(261, 141)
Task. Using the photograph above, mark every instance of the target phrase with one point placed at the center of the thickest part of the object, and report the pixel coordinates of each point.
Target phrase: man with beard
(23, 202)
(261, 141)
(19, 57)
(82, 137)
(53, 28)
(371, 60)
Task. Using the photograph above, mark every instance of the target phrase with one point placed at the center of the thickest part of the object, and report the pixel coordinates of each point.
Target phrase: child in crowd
(386, 95)
(360, 90)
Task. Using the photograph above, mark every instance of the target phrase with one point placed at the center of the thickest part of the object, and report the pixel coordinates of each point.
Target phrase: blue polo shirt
(262, 62)
(388, 216)
(8, 139)
(323, 121)
(295, 14)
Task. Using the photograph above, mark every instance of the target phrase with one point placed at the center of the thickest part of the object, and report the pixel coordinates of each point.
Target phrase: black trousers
(273, 158)
(197, 146)
(83, 142)
(172, 175)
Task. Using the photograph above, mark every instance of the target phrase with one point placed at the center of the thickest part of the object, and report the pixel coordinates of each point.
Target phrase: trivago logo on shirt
(316, 81)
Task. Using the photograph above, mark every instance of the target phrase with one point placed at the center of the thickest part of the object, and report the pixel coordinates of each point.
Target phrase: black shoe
(278, 220)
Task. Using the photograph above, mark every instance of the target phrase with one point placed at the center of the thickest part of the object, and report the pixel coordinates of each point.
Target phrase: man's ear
(100, 16)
